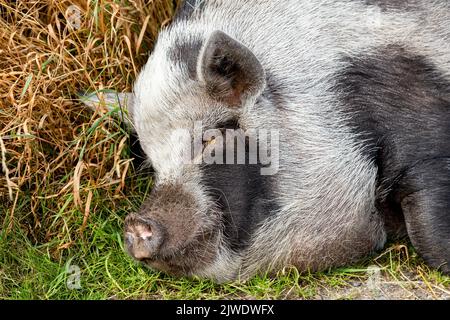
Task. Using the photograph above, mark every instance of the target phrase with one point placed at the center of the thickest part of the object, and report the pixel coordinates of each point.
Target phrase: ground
(67, 181)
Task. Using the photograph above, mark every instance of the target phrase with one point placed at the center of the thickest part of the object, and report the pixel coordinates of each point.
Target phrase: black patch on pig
(185, 53)
(188, 9)
(398, 104)
(244, 196)
(424, 196)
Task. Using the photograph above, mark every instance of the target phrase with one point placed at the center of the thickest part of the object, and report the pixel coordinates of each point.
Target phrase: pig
(357, 95)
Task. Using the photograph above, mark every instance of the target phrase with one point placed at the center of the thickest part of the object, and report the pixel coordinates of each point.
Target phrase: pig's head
(196, 221)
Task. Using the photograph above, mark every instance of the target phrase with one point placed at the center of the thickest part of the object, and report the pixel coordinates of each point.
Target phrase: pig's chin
(189, 259)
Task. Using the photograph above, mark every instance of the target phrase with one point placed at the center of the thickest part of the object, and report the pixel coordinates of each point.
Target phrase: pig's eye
(208, 142)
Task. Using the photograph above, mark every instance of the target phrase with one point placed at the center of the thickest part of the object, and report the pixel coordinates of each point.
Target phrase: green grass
(37, 271)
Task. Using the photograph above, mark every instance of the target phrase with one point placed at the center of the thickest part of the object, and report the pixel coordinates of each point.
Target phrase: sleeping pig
(298, 133)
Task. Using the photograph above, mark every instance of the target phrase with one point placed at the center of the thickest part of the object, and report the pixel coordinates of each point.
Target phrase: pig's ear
(230, 71)
(122, 102)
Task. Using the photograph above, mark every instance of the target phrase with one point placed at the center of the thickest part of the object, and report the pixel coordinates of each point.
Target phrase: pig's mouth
(185, 253)
(188, 259)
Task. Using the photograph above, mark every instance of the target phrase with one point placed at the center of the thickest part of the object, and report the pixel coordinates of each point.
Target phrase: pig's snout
(143, 237)
(172, 232)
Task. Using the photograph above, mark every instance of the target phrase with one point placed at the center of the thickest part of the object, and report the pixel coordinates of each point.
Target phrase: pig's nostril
(145, 232)
(143, 237)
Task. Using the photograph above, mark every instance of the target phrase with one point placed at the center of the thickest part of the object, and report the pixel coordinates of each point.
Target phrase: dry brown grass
(51, 147)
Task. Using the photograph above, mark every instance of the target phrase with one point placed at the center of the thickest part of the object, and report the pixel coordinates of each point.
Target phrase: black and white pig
(357, 95)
